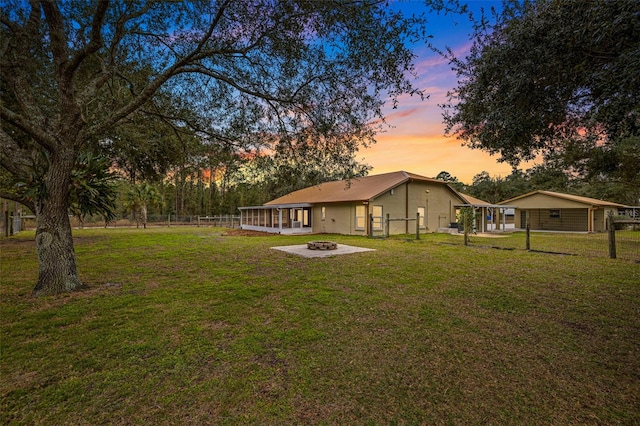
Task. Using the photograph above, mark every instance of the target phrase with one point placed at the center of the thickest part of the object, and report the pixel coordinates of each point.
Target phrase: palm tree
(93, 189)
(139, 198)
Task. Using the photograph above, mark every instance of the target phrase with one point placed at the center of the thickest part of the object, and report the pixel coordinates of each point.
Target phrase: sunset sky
(416, 141)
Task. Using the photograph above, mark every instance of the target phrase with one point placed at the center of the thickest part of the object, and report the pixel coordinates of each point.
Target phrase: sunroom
(281, 219)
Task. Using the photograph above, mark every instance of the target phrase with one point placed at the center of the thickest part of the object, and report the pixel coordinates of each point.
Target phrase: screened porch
(280, 219)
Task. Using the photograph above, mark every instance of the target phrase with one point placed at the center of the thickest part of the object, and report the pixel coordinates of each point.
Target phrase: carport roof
(570, 197)
(471, 201)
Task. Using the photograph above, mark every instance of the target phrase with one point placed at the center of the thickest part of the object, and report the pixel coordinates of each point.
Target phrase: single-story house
(360, 206)
(554, 211)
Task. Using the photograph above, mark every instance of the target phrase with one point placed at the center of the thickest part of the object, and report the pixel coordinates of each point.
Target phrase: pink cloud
(399, 114)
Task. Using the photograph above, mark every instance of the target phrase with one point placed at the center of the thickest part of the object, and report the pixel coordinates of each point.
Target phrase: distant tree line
(206, 190)
(548, 177)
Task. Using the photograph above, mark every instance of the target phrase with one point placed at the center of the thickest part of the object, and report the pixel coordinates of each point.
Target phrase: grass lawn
(191, 326)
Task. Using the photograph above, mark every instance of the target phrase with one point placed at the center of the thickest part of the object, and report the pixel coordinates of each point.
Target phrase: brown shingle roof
(576, 198)
(357, 189)
(473, 200)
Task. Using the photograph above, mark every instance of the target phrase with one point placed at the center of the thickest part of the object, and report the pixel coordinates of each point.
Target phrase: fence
(223, 221)
(11, 225)
(379, 226)
(620, 240)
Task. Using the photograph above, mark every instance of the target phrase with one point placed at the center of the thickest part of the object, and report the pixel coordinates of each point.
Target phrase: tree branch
(262, 95)
(191, 125)
(15, 55)
(95, 42)
(57, 35)
(18, 199)
(13, 158)
(27, 125)
(149, 91)
(92, 87)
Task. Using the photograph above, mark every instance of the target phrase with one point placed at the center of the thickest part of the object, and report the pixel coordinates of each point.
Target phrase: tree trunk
(143, 215)
(58, 272)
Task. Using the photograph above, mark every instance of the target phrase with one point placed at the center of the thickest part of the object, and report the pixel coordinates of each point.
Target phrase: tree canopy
(555, 78)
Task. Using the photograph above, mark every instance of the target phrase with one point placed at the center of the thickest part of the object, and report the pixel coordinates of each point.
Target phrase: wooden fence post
(418, 226)
(527, 227)
(386, 232)
(465, 226)
(467, 217)
(370, 225)
(612, 237)
(6, 223)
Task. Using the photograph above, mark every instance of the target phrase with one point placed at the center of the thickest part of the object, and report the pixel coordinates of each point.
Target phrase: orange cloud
(428, 155)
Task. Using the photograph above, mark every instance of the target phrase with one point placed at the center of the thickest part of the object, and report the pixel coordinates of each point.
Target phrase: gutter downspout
(367, 218)
(406, 207)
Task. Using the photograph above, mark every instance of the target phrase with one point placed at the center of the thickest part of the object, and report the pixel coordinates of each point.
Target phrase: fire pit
(322, 245)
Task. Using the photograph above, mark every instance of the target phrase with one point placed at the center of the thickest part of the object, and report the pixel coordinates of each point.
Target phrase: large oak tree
(557, 78)
(72, 71)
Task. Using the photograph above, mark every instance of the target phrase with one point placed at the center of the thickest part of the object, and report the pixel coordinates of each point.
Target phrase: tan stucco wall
(339, 219)
(402, 203)
(396, 206)
(438, 205)
(537, 201)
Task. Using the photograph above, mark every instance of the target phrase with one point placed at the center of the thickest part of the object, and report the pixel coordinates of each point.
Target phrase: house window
(421, 223)
(323, 213)
(377, 218)
(360, 217)
(554, 213)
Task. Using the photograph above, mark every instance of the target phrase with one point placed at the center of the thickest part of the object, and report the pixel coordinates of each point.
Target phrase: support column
(504, 219)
